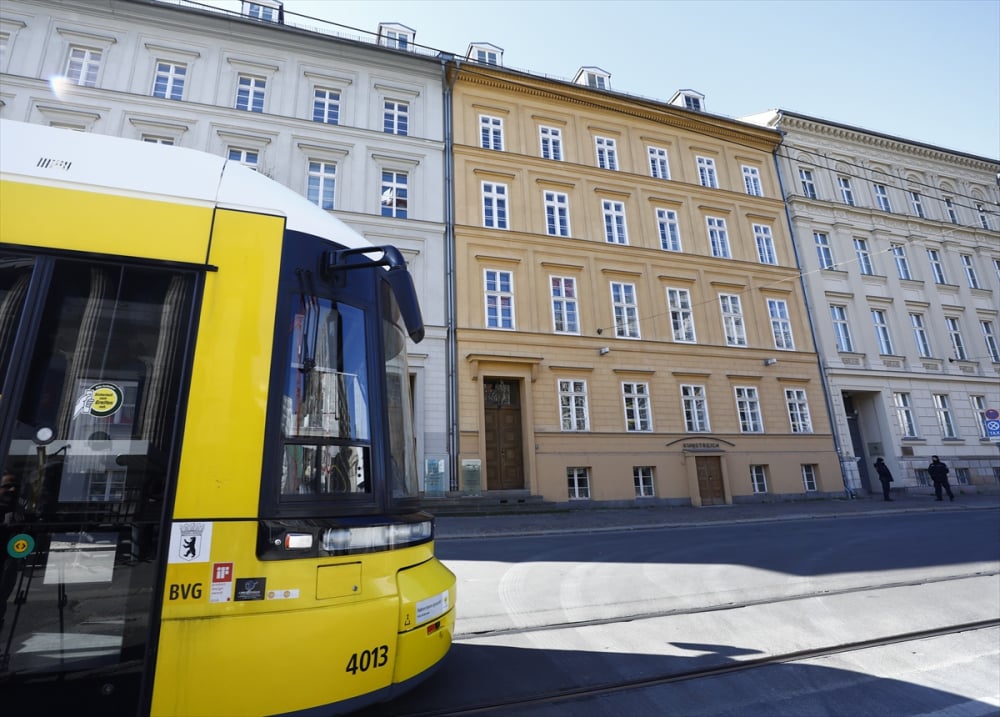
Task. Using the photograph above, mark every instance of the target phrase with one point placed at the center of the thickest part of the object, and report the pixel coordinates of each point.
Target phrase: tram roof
(112, 165)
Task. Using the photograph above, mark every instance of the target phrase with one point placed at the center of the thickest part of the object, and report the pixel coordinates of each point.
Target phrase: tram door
(504, 451)
(91, 363)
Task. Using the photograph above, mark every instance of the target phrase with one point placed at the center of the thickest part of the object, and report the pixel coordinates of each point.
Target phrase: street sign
(992, 427)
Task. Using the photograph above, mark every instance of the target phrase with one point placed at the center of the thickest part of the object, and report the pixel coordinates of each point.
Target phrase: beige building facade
(630, 321)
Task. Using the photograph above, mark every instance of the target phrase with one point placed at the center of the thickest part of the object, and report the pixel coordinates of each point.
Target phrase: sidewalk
(596, 519)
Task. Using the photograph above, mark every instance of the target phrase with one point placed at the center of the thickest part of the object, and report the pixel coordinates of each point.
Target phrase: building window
(659, 167)
(864, 256)
(949, 205)
(551, 142)
(882, 197)
(984, 217)
(823, 250)
(841, 331)
(904, 415)
(970, 271)
(642, 478)
(670, 232)
(83, 65)
(718, 237)
(996, 269)
(902, 265)
(681, 316)
(485, 56)
(250, 93)
(917, 204)
(922, 476)
(955, 334)
(809, 477)
(695, 404)
(748, 409)
(758, 478)
(979, 410)
(155, 139)
(920, 335)
(625, 309)
(395, 117)
(706, 173)
(942, 409)
(846, 193)
(168, 80)
(326, 106)
(880, 322)
(397, 39)
(808, 183)
(499, 299)
(937, 268)
(637, 414)
(751, 180)
(781, 325)
(494, 205)
(394, 194)
(247, 157)
(990, 337)
(607, 153)
(258, 11)
(565, 315)
(615, 231)
(732, 320)
(321, 183)
(573, 405)
(765, 244)
(798, 410)
(578, 480)
(556, 213)
(962, 476)
(491, 132)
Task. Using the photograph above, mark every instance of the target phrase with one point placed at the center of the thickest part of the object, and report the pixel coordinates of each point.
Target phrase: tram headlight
(369, 538)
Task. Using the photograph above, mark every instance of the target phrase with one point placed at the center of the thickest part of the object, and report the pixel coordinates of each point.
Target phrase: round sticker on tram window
(20, 546)
(101, 399)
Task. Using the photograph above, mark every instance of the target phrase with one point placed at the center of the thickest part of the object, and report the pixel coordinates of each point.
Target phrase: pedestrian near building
(885, 476)
(939, 474)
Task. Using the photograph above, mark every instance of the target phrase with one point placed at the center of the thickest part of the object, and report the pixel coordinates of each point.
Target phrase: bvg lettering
(185, 591)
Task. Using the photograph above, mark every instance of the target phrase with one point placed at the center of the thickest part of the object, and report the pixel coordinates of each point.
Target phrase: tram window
(15, 273)
(325, 416)
(403, 468)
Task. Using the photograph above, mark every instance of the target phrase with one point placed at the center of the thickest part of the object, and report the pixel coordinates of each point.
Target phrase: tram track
(567, 695)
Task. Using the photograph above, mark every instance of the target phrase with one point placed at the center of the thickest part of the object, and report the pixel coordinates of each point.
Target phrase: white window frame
(808, 183)
(251, 92)
(578, 483)
(491, 132)
(864, 256)
(718, 237)
(83, 65)
(904, 414)
(659, 162)
(733, 325)
(394, 193)
(758, 478)
(751, 181)
(902, 265)
(942, 410)
(920, 337)
(937, 267)
(669, 229)
(949, 205)
(556, 213)
(841, 328)
(326, 105)
(765, 244)
(880, 322)
(625, 310)
(681, 315)
(565, 309)
(607, 152)
(748, 409)
(970, 271)
(979, 409)
(573, 410)
(984, 216)
(707, 175)
(321, 183)
(247, 157)
(615, 227)
(882, 197)
(643, 481)
(797, 403)
(495, 205)
(550, 143)
(173, 76)
(695, 404)
(846, 192)
(395, 117)
(636, 400)
(781, 324)
(809, 477)
(498, 299)
(823, 250)
(990, 337)
(916, 201)
(954, 326)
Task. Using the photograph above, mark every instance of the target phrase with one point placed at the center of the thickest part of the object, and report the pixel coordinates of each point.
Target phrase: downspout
(451, 340)
(848, 491)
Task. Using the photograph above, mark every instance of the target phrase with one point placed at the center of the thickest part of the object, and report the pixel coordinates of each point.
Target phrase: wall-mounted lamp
(770, 361)
(604, 351)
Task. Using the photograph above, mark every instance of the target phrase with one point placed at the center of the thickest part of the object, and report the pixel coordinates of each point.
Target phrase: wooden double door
(504, 443)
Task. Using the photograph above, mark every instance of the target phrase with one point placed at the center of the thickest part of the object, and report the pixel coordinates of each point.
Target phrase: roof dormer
(485, 53)
(689, 100)
(395, 35)
(593, 77)
(264, 10)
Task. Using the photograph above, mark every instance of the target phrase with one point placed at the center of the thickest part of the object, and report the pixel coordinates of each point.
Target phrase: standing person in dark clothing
(885, 476)
(939, 474)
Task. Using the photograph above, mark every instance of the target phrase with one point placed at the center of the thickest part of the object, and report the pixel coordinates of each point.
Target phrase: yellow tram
(209, 501)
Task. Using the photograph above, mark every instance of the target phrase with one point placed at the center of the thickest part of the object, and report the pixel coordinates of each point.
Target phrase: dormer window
(264, 10)
(485, 54)
(689, 100)
(593, 77)
(391, 34)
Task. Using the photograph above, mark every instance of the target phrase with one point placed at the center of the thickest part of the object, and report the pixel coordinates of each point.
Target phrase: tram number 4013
(368, 659)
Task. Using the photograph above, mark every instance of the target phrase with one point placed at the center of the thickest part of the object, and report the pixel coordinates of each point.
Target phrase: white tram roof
(112, 165)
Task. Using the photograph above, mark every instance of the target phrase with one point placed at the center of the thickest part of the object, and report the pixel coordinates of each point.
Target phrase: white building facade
(353, 123)
(899, 245)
